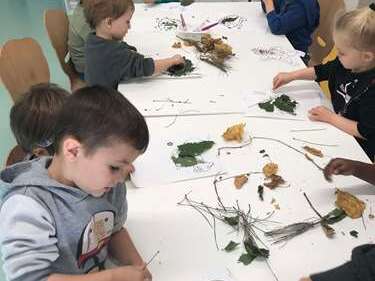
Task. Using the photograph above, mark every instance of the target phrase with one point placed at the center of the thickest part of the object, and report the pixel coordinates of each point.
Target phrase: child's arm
(285, 77)
(323, 114)
(163, 64)
(122, 248)
(123, 273)
(340, 166)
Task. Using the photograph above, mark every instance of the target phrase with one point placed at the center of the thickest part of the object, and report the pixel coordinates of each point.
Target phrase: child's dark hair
(97, 116)
(98, 10)
(33, 117)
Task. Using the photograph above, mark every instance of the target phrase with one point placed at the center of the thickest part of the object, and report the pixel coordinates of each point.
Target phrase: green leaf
(232, 220)
(246, 259)
(231, 246)
(181, 69)
(194, 148)
(267, 106)
(186, 161)
(253, 250)
(285, 103)
(334, 216)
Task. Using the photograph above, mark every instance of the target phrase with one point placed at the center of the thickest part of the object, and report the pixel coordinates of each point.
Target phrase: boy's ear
(71, 148)
(108, 22)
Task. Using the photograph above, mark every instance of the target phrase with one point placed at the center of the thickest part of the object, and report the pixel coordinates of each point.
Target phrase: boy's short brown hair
(33, 117)
(98, 10)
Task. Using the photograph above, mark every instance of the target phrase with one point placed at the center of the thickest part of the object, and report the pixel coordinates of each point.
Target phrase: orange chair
(57, 26)
(17, 154)
(22, 64)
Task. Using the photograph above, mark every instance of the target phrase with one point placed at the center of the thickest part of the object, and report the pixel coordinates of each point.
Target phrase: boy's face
(350, 57)
(102, 170)
(120, 26)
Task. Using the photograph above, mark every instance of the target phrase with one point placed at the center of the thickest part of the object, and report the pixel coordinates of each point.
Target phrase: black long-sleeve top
(353, 96)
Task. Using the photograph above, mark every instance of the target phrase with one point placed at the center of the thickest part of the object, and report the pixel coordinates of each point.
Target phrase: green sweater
(78, 31)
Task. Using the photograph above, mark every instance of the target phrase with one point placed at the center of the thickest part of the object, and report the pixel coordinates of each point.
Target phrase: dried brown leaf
(274, 182)
(313, 151)
(176, 45)
(352, 206)
(235, 132)
(270, 169)
(239, 181)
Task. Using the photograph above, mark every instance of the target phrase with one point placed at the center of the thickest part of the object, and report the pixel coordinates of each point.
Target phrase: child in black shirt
(351, 78)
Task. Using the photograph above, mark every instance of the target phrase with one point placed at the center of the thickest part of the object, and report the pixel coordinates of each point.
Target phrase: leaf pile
(181, 69)
(187, 153)
(283, 103)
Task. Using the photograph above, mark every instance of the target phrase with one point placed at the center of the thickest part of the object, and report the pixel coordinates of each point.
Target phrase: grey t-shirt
(47, 227)
(108, 62)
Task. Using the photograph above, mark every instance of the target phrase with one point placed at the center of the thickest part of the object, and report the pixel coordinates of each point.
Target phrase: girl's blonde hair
(359, 26)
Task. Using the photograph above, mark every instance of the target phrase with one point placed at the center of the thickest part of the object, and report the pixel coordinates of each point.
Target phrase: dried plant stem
(151, 259)
(314, 143)
(270, 139)
(312, 207)
(307, 130)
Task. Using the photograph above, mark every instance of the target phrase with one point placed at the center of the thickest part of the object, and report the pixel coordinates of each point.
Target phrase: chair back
(22, 64)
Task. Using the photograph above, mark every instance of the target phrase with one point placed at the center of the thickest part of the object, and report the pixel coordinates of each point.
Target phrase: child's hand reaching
(177, 59)
(149, 1)
(340, 166)
(305, 279)
(321, 113)
(281, 79)
(163, 64)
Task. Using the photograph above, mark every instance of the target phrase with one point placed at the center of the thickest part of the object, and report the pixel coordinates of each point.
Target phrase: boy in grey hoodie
(61, 217)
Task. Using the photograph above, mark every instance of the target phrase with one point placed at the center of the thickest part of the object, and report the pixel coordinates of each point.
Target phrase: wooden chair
(322, 38)
(17, 154)
(57, 26)
(22, 64)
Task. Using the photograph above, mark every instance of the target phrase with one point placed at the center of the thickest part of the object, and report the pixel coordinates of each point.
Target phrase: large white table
(184, 239)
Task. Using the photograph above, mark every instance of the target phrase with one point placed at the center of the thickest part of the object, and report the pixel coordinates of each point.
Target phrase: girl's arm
(323, 114)
(285, 77)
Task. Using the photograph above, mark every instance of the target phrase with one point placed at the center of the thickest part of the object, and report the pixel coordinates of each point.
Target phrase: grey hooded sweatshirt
(47, 227)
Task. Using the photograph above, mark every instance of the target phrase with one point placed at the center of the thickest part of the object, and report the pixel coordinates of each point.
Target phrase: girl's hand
(321, 113)
(281, 79)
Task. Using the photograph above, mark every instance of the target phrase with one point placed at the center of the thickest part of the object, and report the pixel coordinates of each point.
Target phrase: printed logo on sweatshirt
(95, 237)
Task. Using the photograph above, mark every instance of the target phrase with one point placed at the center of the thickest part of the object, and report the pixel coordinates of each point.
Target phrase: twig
(272, 271)
(150, 260)
(173, 101)
(320, 144)
(232, 147)
(307, 130)
(312, 207)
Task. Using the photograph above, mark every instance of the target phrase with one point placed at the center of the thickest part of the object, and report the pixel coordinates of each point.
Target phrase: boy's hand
(339, 166)
(177, 59)
(321, 113)
(130, 273)
(281, 79)
(305, 279)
